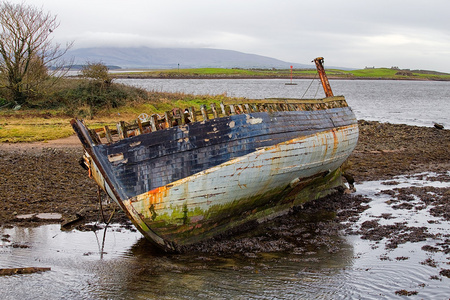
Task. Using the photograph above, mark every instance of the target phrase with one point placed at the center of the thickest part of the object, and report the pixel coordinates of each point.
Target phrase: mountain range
(169, 58)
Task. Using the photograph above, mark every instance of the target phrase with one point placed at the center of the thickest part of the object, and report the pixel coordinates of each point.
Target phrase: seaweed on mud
(445, 272)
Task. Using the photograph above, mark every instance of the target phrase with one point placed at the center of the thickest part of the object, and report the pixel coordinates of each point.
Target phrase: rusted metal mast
(323, 77)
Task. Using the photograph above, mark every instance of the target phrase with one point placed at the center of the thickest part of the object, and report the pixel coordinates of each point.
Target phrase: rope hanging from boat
(317, 90)
(315, 76)
(101, 208)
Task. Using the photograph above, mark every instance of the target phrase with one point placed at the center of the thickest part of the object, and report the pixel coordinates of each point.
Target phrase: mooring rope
(315, 75)
(101, 208)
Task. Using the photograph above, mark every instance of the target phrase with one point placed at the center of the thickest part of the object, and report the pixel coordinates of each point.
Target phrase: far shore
(147, 76)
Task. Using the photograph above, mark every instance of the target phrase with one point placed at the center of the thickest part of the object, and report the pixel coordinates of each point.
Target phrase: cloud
(353, 33)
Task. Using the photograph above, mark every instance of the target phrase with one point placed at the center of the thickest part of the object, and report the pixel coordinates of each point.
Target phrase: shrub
(89, 97)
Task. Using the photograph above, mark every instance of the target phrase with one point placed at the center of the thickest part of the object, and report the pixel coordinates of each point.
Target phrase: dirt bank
(47, 178)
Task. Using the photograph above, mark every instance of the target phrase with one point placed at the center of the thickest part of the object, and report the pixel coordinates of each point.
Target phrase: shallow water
(130, 268)
(383, 270)
(418, 103)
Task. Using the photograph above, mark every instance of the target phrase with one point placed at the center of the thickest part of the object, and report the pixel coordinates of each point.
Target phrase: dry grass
(26, 126)
(42, 125)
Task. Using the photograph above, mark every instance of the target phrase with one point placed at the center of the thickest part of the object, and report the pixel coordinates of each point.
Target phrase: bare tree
(28, 57)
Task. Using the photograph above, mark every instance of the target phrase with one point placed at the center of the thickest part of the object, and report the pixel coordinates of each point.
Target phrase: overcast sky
(412, 34)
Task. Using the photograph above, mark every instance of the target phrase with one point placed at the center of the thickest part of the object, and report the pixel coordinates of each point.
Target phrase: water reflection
(131, 268)
(327, 266)
(235, 277)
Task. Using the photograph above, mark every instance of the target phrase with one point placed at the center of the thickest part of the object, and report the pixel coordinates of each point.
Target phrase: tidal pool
(362, 265)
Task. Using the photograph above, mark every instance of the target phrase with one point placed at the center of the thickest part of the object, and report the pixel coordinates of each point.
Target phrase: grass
(376, 73)
(27, 126)
(33, 132)
(214, 71)
(33, 125)
(211, 72)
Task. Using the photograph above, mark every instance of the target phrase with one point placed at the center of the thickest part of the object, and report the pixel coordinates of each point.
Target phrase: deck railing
(179, 117)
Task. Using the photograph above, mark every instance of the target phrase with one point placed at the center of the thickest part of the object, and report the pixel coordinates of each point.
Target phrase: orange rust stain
(336, 141)
(325, 144)
(156, 196)
(290, 142)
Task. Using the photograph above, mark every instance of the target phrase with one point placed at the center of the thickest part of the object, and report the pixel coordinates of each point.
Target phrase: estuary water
(420, 103)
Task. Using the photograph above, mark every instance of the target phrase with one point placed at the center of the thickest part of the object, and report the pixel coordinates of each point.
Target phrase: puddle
(126, 266)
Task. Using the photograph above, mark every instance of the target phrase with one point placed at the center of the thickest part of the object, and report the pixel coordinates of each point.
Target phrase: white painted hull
(243, 178)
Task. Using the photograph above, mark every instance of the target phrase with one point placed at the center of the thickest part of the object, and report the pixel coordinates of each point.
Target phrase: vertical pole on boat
(323, 77)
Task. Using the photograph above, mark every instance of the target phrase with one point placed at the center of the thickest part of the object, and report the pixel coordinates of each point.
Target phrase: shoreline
(206, 77)
(45, 177)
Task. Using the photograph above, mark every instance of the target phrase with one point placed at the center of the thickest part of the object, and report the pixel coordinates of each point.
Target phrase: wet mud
(385, 150)
(306, 230)
(47, 178)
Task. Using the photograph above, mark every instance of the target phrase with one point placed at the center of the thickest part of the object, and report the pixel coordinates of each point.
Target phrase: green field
(376, 73)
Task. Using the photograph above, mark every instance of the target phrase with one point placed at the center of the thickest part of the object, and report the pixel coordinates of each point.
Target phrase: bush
(89, 97)
(97, 72)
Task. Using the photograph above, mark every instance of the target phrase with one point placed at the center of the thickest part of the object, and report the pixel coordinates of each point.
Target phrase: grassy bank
(375, 73)
(50, 119)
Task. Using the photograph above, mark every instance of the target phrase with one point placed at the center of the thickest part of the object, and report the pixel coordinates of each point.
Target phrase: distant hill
(169, 58)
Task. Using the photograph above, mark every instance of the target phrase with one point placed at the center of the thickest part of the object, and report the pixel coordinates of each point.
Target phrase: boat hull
(188, 183)
(249, 188)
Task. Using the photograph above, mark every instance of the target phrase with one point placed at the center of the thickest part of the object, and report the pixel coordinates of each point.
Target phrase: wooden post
(214, 110)
(153, 122)
(140, 130)
(94, 136)
(232, 111)
(182, 117)
(204, 112)
(224, 110)
(192, 114)
(177, 119)
(108, 134)
(122, 130)
(168, 117)
(264, 107)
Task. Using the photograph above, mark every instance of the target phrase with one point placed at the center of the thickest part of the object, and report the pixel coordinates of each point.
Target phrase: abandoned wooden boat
(191, 175)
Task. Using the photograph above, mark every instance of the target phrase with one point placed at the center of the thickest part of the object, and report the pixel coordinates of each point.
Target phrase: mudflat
(45, 177)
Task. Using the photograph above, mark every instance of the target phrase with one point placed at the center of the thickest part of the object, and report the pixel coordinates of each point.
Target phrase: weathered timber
(108, 134)
(176, 117)
(227, 137)
(192, 175)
